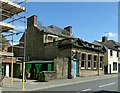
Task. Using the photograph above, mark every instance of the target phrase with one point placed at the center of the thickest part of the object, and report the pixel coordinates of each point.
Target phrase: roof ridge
(114, 42)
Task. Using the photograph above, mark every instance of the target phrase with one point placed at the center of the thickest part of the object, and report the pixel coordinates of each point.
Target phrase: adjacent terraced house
(69, 57)
(112, 55)
(6, 56)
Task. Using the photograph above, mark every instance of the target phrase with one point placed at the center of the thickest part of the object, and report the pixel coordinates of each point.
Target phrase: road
(109, 84)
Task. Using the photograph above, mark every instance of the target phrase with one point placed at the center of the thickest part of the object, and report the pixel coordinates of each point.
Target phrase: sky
(89, 20)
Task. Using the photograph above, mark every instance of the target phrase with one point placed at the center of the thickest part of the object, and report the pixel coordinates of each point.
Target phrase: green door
(49, 67)
(38, 69)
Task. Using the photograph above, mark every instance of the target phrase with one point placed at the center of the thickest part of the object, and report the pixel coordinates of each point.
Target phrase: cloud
(110, 34)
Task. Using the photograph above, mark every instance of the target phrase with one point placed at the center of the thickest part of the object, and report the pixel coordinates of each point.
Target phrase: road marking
(86, 89)
(70, 83)
(107, 84)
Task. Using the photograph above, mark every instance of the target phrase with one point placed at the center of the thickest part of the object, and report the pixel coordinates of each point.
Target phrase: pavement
(34, 85)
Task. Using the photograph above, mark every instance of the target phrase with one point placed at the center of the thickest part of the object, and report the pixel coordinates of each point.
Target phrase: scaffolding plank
(10, 8)
(4, 27)
(6, 53)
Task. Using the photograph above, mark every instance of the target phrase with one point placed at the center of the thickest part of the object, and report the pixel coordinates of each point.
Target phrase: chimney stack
(104, 39)
(69, 29)
(32, 21)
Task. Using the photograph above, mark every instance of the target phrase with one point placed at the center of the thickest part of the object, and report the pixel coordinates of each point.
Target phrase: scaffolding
(11, 12)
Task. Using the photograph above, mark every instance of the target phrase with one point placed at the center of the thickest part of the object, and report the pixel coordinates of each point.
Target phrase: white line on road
(86, 89)
(70, 83)
(107, 84)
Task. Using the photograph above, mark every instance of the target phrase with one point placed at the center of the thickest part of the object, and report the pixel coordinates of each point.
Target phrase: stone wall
(91, 72)
(50, 51)
(51, 75)
(34, 43)
(61, 67)
(86, 71)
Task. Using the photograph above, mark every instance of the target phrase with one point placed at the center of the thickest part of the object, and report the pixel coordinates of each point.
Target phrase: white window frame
(83, 60)
(81, 64)
(90, 61)
(95, 61)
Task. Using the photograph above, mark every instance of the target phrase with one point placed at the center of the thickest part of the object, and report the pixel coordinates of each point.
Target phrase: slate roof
(52, 29)
(77, 43)
(110, 44)
(117, 43)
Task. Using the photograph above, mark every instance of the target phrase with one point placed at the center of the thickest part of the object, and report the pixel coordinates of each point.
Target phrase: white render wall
(112, 59)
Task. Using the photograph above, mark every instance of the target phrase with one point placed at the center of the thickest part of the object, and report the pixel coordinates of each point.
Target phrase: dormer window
(92, 46)
(50, 38)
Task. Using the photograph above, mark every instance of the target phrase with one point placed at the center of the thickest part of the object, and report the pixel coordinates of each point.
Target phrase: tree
(2, 42)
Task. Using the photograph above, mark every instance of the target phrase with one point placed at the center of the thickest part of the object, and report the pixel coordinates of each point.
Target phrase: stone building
(53, 43)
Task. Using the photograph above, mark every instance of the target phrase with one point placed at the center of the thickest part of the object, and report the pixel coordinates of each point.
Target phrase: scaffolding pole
(24, 52)
(9, 14)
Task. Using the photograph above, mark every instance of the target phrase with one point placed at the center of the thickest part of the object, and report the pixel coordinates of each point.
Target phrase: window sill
(82, 68)
(89, 68)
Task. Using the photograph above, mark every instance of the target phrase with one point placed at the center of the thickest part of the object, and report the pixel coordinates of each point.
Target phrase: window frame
(101, 62)
(95, 62)
(83, 61)
(116, 66)
(111, 53)
(117, 53)
(90, 61)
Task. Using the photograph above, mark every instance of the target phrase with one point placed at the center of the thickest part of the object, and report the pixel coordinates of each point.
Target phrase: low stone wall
(51, 74)
(47, 75)
(91, 72)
